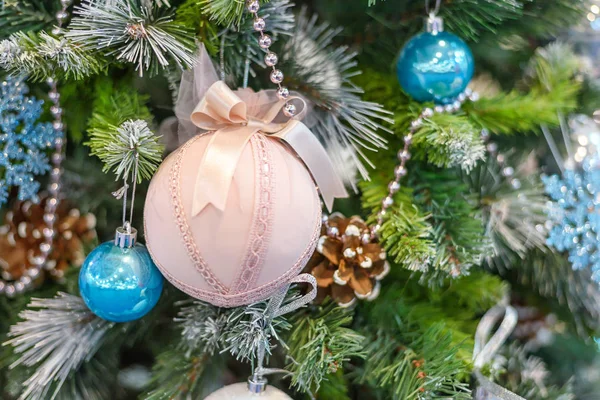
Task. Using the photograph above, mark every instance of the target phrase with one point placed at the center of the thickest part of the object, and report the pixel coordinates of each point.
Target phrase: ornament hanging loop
(126, 235)
(436, 9)
(433, 23)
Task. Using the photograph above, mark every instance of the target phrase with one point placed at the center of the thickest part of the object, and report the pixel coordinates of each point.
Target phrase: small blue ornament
(435, 65)
(119, 281)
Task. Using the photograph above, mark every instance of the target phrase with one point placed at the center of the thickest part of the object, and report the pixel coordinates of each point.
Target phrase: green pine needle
(224, 12)
(41, 56)
(320, 344)
(119, 130)
(118, 147)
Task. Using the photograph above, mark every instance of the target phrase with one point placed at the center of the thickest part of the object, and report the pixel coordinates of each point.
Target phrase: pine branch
(190, 14)
(552, 81)
(224, 12)
(457, 302)
(116, 138)
(133, 31)
(406, 361)
(241, 331)
(19, 15)
(349, 126)
(514, 219)
(456, 220)
(450, 140)
(335, 387)
(127, 147)
(72, 336)
(445, 140)
(406, 233)
(250, 329)
(41, 56)
(177, 376)
(320, 344)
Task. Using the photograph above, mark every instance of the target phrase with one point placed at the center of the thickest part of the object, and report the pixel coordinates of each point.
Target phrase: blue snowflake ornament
(575, 214)
(24, 141)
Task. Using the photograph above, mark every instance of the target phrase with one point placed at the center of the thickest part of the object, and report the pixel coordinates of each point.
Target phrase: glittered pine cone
(347, 263)
(22, 234)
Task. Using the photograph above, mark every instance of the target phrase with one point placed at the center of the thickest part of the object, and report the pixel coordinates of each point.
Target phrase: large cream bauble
(239, 391)
(260, 240)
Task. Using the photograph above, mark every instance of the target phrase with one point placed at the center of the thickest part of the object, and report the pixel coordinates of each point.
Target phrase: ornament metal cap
(125, 236)
(434, 24)
(257, 384)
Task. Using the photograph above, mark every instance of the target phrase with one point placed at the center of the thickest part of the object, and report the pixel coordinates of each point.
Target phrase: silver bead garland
(404, 154)
(26, 281)
(265, 41)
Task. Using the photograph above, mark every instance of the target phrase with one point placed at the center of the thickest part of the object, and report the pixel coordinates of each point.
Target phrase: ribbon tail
(309, 149)
(217, 167)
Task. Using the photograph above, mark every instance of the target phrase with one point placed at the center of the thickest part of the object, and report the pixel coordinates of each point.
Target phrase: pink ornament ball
(260, 241)
(239, 391)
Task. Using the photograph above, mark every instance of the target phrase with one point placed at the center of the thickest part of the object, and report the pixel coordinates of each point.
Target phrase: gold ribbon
(227, 114)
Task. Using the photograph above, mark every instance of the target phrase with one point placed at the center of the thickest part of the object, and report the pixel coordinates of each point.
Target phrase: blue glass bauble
(120, 284)
(435, 66)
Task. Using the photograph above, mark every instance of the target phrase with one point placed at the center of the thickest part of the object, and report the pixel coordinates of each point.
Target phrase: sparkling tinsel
(575, 214)
(24, 140)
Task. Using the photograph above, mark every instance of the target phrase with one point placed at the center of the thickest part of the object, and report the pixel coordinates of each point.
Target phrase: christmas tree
(167, 184)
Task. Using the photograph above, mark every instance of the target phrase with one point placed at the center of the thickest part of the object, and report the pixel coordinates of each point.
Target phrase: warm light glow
(591, 17)
(580, 154)
(583, 140)
(595, 9)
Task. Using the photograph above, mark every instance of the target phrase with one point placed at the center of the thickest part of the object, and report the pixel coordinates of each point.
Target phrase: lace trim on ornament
(262, 216)
(254, 295)
(184, 229)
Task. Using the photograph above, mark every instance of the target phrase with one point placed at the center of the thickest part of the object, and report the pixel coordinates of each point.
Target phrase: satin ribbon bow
(227, 114)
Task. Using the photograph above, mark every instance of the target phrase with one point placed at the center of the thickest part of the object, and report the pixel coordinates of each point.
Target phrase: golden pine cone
(21, 236)
(347, 263)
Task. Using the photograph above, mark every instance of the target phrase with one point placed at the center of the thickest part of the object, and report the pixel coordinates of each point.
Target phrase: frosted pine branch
(121, 147)
(241, 331)
(56, 339)
(41, 56)
(347, 125)
(202, 327)
(132, 31)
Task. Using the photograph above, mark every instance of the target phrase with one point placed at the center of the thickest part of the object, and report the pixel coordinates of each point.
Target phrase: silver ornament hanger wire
(436, 8)
(265, 41)
(126, 235)
(26, 281)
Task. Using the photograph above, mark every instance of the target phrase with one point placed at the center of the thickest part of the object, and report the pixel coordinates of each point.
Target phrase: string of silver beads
(404, 155)
(26, 281)
(265, 41)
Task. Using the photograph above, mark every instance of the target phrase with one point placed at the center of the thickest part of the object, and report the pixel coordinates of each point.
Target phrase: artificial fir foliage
(466, 229)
